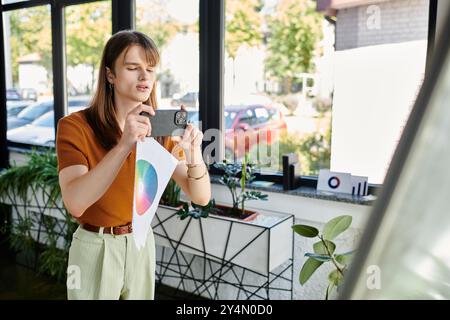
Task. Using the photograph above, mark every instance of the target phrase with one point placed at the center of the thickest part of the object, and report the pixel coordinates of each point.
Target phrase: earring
(111, 87)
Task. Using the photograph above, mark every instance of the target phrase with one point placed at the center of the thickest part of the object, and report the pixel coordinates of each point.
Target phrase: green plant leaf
(308, 269)
(335, 277)
(305, 231)
(336, 226)
(197, 212)
(318, 257)
(253, 195)
(319, 247)
(344, 258)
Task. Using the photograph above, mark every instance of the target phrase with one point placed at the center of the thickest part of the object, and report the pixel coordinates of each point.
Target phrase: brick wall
(399, 21)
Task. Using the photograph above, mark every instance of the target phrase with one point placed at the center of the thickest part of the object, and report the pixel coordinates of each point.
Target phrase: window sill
(307, 192)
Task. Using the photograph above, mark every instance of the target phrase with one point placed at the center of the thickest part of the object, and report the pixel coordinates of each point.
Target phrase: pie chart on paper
(146, 185)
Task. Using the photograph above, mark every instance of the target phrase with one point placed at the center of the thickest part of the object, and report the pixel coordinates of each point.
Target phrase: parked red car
(249, 124)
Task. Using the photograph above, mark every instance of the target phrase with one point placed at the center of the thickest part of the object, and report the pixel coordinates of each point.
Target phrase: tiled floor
(18, 282)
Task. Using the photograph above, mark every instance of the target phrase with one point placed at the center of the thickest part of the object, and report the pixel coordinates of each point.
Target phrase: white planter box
(251, 245)
(37, 203)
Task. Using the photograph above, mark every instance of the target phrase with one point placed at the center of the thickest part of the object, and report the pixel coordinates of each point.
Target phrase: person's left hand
(191, 143)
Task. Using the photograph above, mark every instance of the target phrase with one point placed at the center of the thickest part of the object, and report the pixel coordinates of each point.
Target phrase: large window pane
(29, 76)
(379, 68)
(12, 1)
(273, 102)
(338, 89)
(173, 25)
(88, 27)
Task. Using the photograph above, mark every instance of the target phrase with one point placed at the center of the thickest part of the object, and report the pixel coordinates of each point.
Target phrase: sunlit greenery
(295, 30)
(30, 32)
(88, 27)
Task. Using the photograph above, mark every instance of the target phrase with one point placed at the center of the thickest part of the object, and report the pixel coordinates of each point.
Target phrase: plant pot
(225, 211)
(170, 206)
(178, 207)
(260, 248)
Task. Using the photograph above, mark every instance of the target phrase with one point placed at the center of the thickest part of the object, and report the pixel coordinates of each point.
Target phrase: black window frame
(211, 29)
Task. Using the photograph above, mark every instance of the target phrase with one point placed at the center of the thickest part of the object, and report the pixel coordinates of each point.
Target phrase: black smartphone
(167, 122)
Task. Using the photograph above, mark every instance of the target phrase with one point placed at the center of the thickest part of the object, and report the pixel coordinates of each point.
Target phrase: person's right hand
(136, 127)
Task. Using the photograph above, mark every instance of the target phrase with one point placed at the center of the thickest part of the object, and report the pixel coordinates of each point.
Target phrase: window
(271, 50)
(12, 1)
(45, 121)
(248, 117)
(35, 110)
(29, 75)
(88, 27)
(326, 102)
(262, 115)
(296, 59)
(174, 26)
(230, 117)
(372, 101)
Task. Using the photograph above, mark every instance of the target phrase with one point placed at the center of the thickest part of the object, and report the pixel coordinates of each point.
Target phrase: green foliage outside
(243, 24)
(295, 31)
(313, 150)
(88, 27)
(30, 32)
(153, 19)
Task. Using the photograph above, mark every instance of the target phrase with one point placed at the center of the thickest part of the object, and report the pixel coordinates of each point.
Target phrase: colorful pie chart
(146, 185)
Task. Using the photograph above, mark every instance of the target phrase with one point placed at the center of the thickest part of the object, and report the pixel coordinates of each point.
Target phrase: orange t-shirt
(76, 143)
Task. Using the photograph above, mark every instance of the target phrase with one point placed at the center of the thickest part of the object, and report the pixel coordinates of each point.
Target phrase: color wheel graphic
(146, 185)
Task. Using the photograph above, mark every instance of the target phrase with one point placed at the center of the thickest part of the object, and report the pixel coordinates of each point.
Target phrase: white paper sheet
(154, 168)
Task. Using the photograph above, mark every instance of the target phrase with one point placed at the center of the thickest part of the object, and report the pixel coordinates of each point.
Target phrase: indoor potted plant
(325, 251)
(32, 191)
(227, 235)
(231, 180)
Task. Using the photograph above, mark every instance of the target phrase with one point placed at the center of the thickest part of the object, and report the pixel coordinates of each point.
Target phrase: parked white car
(40, 132)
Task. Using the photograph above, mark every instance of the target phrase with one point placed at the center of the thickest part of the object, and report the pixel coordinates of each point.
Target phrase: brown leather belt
(127, 228)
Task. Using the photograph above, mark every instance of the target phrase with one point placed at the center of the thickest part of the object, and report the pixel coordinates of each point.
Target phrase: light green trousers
(105, 266)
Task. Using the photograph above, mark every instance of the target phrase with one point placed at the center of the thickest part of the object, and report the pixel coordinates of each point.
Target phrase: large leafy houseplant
(324, 251)
(37, 181)
(231, 180)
